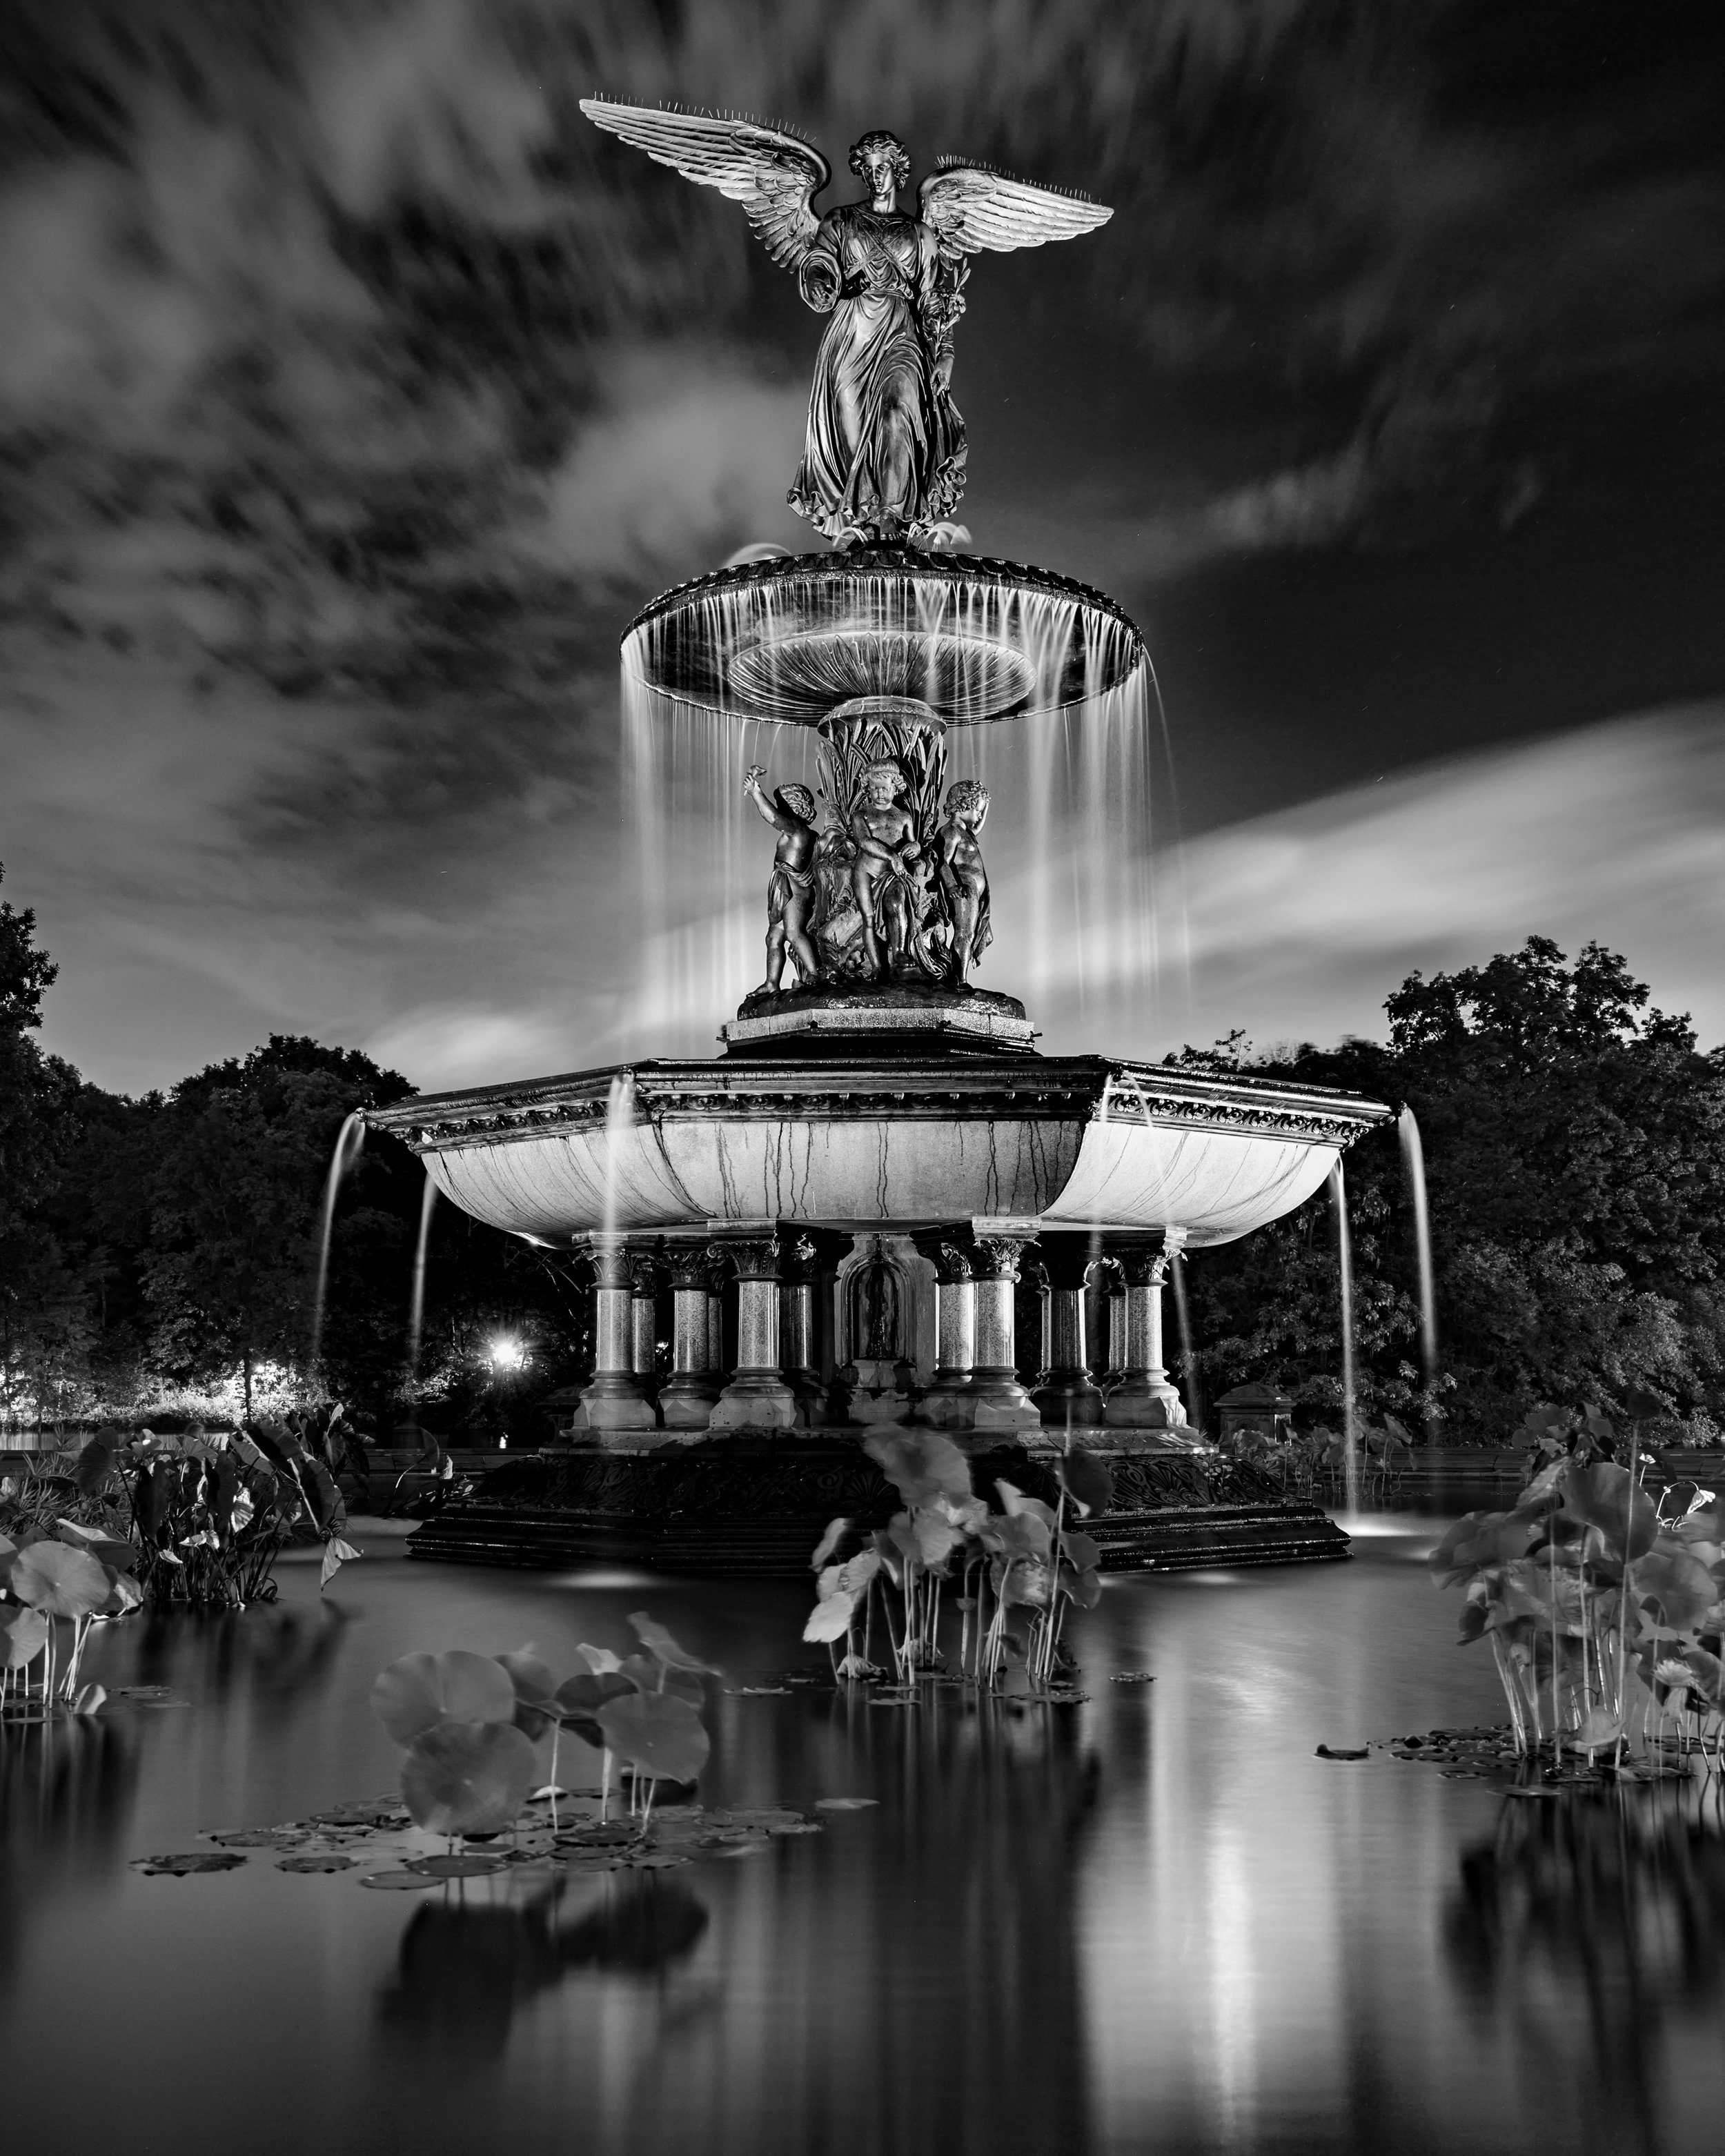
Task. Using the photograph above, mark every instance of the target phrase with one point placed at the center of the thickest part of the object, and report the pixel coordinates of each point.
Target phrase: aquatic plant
(470, 1723)
(75, 1576)
(1603, 1607)
(208, 1514)
(1027, 1557)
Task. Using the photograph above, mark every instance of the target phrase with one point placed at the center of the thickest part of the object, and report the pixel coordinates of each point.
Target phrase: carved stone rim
(1008, 1088)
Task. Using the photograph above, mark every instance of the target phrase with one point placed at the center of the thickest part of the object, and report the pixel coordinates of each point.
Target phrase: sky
(355, 393)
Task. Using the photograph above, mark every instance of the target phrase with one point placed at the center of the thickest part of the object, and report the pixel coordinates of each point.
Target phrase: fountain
(845, 1209)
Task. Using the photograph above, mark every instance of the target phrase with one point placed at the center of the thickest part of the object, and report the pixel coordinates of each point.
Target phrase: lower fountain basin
(1079, 1141)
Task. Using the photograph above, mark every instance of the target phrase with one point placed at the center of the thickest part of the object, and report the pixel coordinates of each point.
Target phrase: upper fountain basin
(974, 640)
(1078, 1141)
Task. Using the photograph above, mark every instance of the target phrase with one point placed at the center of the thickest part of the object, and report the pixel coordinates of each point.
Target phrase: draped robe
(884, 450)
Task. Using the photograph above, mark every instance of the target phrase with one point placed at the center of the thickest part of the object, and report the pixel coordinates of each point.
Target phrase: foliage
(1027, 1557)
(1593, 1595)
(469, 1724)
(65, 1575)
(1575, 1145)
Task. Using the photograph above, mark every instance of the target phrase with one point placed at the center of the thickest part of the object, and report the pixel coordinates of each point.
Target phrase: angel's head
(798, 800)
(881, 161)
(882, 783)
(968, 802)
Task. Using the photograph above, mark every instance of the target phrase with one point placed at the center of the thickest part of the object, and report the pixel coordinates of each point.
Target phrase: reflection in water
(66, 1794)
(465, 1966)
(1588, 1926)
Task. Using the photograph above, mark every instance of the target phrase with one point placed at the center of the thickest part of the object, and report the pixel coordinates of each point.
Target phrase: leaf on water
(1341, 1752)
(179, 1863)
(458, 1867)
(419, 1691)
(1132, 1676)
(757, 1691)
(468, 1777)
(845, 1804)
(399, 1882)
(597, 1837)
(316, 1860)
(254, 1837)
(658, 1734)
(659, 1644)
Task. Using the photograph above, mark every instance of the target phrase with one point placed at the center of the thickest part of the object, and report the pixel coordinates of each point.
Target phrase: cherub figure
(887, 850)
(964, 880)
(791, 894)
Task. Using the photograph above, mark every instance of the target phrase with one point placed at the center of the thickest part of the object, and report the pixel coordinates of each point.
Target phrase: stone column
(1145, 1398)
(757, 1398)
(1067, 1396)
(997, 1400)
(1117, 1360)
(686, 1400)
(947, 1402)
(615, 1399)
(799, 1331)
(643, 1318)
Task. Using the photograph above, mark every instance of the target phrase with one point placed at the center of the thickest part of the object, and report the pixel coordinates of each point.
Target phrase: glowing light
(504, 1354)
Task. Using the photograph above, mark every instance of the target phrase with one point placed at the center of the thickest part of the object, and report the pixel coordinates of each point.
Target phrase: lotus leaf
(1085, 1587)
(1082, 1551)
(935, 1537)
(398, 1882)
(659, 1644)
(658, 1734)
(1017, 1506)
(59, 1581)
(599, 1660)
(1677, 1582)
(419, 1691)
(921, 1465)
(1602, 1496)
(836, 1532)
(335, 1554)
(646, 1674)
(321, 1860)
(468, 1777)
(1088, 1482)
(194, 1859)
(831, 1618)
(845, 1804)
(457, 1867)
(23, 1633)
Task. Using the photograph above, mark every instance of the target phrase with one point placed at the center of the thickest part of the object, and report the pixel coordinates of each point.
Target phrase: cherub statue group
(922, 904)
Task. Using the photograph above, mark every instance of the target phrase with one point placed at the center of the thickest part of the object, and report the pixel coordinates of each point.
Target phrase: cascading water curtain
(1413, 1173)
(416, 1308)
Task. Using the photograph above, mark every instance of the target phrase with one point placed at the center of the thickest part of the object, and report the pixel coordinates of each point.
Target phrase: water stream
(1344, 1281)
(350, 1142)
(620, 1117)
(1189, 1354)
(1414, 1172)
(416, 1308)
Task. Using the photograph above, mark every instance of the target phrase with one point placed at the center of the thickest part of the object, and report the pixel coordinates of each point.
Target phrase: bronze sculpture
(884, 457)
(791, 895)
(964, 880)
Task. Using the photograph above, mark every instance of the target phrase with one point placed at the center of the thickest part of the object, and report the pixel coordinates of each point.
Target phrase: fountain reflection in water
(350, 1142)
(1413, 1170)
(1344, 1283)
(416, 1308)
(1068, 839)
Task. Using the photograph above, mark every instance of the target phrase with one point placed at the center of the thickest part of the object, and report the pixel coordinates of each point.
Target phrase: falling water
(1188, 1354)
(1413, 1170)
(1344, 1275)
(620, 1117)
(1068, 839)
(349, 1140)
(416, 1311)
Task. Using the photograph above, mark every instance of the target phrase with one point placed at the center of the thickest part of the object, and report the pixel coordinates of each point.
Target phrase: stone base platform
(758, 1504)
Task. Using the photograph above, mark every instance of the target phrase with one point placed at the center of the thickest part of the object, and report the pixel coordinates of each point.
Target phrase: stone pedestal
(997, 1400)
(616, 1399)
(1068, 1397)
(757, 1397)
(1146, 1398)
(686, 1398)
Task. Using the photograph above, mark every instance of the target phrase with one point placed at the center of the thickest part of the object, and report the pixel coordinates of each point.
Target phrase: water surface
(1153, 1922)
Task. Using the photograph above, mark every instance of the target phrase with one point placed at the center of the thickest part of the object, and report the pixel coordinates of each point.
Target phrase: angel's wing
(971, 207)
(773, 174)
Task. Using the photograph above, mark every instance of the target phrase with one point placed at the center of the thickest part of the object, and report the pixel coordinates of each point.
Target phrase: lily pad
(398, 1882)
(468, 1777)
(255, 1837)
(181, 1862)
(317, 1860)
(845, 1804)
(757, 1691)
(1132, 1676)
(457, 1868)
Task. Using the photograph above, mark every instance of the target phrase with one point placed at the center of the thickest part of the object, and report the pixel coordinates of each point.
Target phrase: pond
(1152, 1921)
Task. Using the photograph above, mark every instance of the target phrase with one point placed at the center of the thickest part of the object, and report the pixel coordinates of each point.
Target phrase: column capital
(997, 1247)
(1142, 1261)
(800, 1256)
(755, 1257)
(609, 1256)
(946, 1249)
(1068, 1258)
(644, 1272)
(691, 1264)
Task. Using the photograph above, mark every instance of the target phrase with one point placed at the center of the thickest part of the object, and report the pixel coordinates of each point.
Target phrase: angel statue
(884, 455)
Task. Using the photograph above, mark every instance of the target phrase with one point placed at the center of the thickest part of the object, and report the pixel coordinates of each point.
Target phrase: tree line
(166, 1247)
